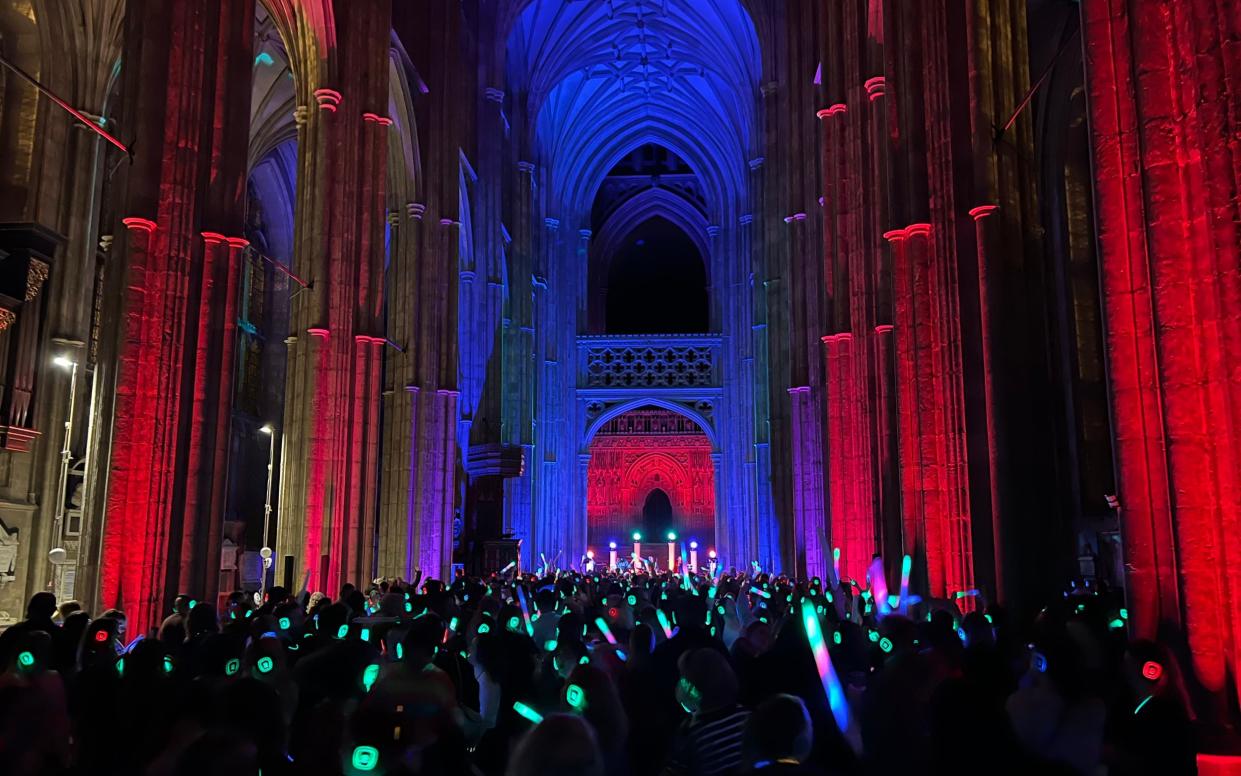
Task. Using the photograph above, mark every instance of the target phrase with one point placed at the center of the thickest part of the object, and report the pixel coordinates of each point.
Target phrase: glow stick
(760, 592)
(506, 569)
(525, 611)
(663, 622)
(823, 661)
(545, 564)
(906, 566)
(685, 572)
(527, 712)
(605, 630)
(836, 562)
(879, 586)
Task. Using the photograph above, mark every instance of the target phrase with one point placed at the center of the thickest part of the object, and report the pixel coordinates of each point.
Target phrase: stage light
(637, 536)
(611, 545)
(693, 545)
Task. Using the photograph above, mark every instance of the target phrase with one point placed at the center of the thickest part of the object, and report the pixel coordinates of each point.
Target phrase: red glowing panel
(642, 451)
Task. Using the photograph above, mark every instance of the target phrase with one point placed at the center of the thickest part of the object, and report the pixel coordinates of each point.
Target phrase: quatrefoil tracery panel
(657, 366)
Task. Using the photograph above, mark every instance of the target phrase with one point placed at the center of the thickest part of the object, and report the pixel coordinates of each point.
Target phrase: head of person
(561, 745)
(545, 601)
(641, 642)
(41, 607)
(172, 630)
(74, 626)
(568, 655)
(202, 619)
(707, 682)
(99, 643)
(422, 641)
(332, 619)
(122, 622)
(779, 729)
(33, 653)
(589, 691)
(67, 608)
(1147, 669)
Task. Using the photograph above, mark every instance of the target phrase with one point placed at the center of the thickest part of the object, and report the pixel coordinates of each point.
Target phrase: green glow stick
(527, 712)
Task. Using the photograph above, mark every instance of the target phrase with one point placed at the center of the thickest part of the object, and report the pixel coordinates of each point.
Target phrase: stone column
(174, 335)
(331, 394)
(1163, 88)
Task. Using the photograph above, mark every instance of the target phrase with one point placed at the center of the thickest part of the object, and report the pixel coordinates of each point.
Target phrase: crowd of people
(592, 674)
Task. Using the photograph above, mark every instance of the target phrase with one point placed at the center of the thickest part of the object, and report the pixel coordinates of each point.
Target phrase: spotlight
(611, 545)
(64, 362)
(637, 536)
(693, 545)
(266, 428)
(672, 536)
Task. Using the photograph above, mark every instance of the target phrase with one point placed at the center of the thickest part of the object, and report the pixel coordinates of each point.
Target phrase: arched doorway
(657, 518)
(651, 471)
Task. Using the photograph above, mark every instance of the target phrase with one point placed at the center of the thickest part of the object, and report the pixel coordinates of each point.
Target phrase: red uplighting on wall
(625, 468)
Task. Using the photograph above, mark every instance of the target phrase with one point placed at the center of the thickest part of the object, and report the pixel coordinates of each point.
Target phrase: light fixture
(693, 545)
(64, 362)
(266, 428)
(672, 536)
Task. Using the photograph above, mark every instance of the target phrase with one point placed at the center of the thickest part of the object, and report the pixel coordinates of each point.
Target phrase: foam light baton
(879, 586)
(685, 572)
(602, 625)
(663, 623)
(509, 567)
(823, 661)
(525, 610)
(527, 712)
(906, 566)
(836, 563)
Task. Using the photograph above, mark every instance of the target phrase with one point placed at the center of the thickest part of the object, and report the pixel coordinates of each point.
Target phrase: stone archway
(638, 454)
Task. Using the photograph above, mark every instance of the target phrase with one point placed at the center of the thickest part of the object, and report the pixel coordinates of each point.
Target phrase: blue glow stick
(525, 611)
(685, 571)
(760, 592)
(823, 661)
(879, 586)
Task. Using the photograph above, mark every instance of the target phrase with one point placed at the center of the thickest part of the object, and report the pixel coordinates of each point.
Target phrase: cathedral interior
(322, 291)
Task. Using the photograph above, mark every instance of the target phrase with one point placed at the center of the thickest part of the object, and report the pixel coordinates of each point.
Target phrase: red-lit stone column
(1163, 90)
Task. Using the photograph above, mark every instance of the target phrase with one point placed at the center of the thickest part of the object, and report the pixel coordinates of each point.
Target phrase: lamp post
(693, 557)
(672, 551)
(637, 549)
(266, 553)
(612, 556)
(57, 556)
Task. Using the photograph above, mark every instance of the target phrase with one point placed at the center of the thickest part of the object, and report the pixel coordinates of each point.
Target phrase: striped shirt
(709, 744)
